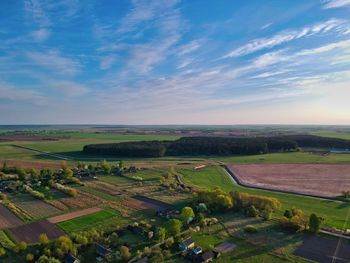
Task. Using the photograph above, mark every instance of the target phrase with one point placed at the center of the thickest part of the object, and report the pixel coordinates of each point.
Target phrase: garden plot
(7, 218)
(34, 207)
(30, 233)
(65, 217)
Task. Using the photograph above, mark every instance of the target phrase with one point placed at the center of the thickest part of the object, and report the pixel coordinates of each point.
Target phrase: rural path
(58, 156)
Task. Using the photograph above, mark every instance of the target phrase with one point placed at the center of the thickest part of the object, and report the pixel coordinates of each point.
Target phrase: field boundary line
(61, 157)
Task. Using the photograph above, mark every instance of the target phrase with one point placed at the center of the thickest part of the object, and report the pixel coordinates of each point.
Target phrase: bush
(30, 257)
(250, 229)
(252, 211)
(2, 252)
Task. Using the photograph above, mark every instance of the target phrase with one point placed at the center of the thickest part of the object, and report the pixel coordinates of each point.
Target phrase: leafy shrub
(250, 229)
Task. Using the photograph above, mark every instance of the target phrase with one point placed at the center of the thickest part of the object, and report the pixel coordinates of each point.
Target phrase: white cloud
(8, 92)
(336, 3)
(188, 48)
(284, 37)
(54, 61)
(107, 62)
(41, 34)
(266, 26)
(143, 11)
(69, 88)
(345, 44)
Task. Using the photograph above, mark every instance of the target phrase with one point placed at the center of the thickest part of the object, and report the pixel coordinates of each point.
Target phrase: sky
(175, 62)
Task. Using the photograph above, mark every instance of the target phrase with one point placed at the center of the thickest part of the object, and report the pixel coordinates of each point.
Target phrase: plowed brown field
(328, 180)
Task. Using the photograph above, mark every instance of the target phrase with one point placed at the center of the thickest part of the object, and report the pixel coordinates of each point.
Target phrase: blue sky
(175, 62)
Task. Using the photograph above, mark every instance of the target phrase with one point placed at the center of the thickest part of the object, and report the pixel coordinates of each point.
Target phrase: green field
(333, 134)
(334, 212)
(292, 157)
(69, 144)
(83, 222)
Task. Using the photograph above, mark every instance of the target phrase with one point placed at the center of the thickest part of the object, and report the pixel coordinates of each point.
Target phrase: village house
(70, 259)
(102, 252)
(187, 244)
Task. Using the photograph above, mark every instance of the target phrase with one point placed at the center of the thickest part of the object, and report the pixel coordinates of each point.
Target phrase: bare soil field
(30, 232)
(65, 217)
(322, 250)
(8, 219)
(327, 180)
(154, 204)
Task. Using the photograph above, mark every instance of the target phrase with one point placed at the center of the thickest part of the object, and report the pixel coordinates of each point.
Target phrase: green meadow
(334, 212)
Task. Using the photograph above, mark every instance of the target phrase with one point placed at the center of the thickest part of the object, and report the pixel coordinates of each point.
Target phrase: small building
(205, 257)
(102, 252)
(137, 230)
(70, 259)
(187, 244)
(225, 247)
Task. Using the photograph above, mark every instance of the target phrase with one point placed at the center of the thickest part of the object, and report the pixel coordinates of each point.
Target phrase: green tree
(2, 252)
(106, 167)
(187, 214)
(174, 226)
(43, 239)
(121, 164)
(125, 253)
(315, 223)
(30, 257)
(288, 214)
(161, 234)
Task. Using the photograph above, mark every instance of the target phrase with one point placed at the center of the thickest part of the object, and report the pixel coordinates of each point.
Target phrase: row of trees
(295, 220)
(215, 146)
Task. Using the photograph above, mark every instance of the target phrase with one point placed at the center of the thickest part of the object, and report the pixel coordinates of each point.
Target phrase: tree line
(215, 146)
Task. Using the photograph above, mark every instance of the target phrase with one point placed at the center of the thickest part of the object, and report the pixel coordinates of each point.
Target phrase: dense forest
(215, 146)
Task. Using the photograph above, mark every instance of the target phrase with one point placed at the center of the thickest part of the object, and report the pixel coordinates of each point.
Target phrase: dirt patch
(153, 204)
(72, 215)
(104, 187)
(328, 180)
(30, 232)
(8, 219)
(322, 250)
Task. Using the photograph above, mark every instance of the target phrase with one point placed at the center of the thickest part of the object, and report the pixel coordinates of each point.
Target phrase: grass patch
(334, 212)
(285, 158)
(83, 222)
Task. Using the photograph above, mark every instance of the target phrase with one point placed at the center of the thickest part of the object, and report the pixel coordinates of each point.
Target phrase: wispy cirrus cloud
(69, 88)
(144, 11)
(284, 37)
(12, 93)
(55, 62)
(335, 3)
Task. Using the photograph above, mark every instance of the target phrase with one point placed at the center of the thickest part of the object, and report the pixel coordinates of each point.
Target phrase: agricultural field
(335, 212)
(69, 216)
(115, 201)
(7, 218)
(313, 179)
(30, 232)
(86, 221)
(287, 158)
(37, 209)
